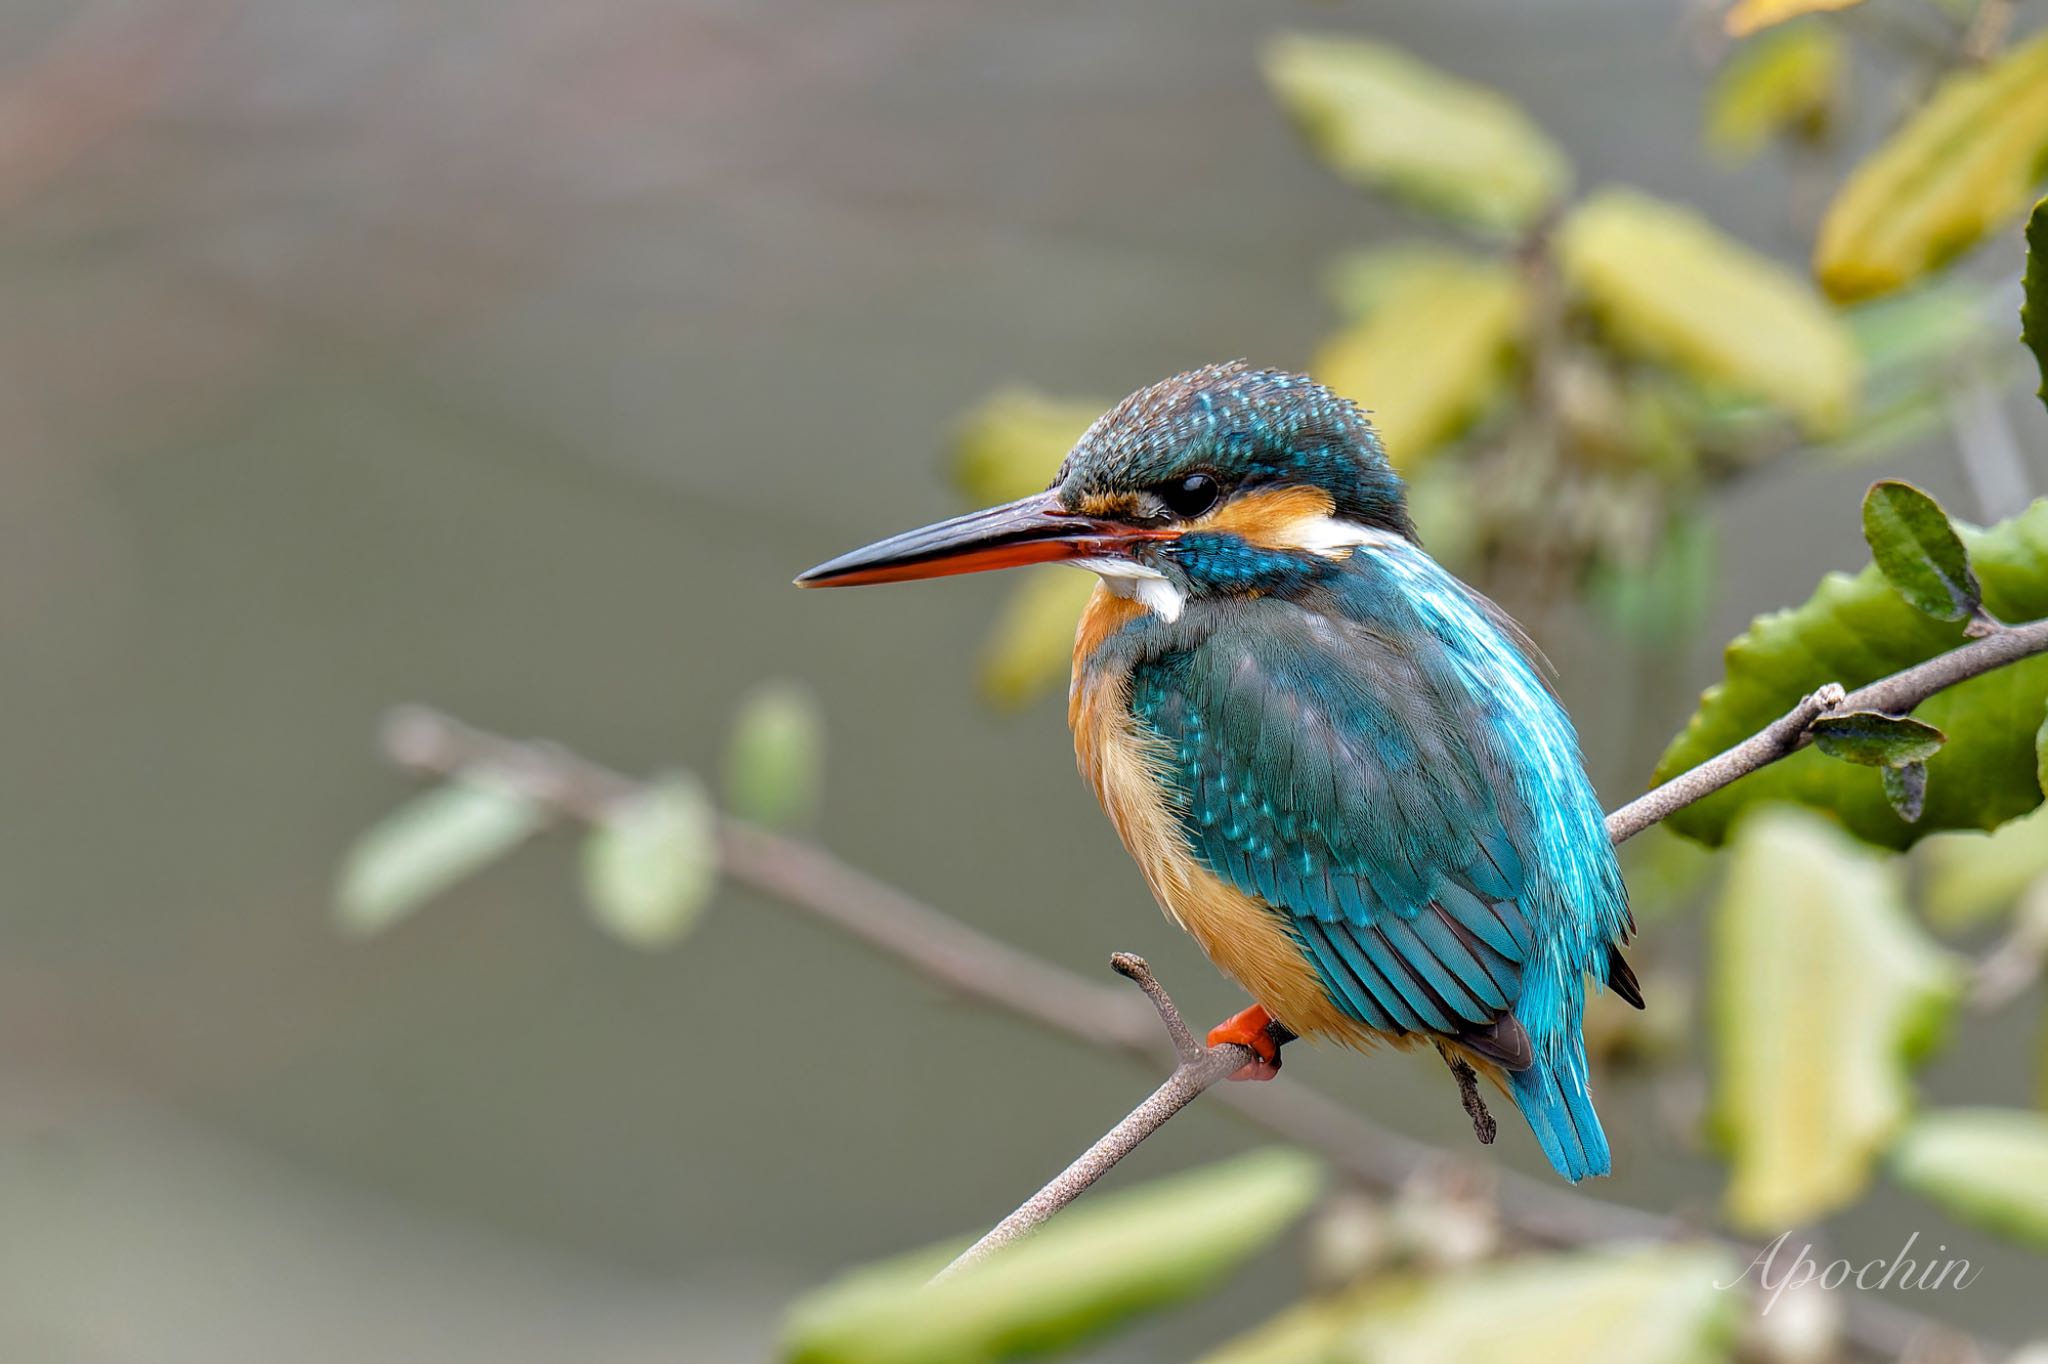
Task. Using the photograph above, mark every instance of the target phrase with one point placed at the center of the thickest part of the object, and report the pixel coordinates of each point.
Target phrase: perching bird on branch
(1335, 764)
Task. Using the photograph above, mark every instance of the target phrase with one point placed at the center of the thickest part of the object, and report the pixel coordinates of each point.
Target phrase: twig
(1894, 695)
(993, 972)
(1199, 1068)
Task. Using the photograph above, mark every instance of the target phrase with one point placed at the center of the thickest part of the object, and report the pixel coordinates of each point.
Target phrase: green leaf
(1967, 878)
(1668, 285)
(1030, 651)
(1855, 630)
(1917, 549)
(1963, 165)
(1381, 118)
(1905, 786)
(1430, 351)
(1988, 1166)
(651, 864)
(1614, 1305)
(1785, 84)
(1102, 1261)
(1747, 16)
(775, 760)
(428, 844)
(2034, 293)
(1011, 445)
(1869, 738)
(1822, 990)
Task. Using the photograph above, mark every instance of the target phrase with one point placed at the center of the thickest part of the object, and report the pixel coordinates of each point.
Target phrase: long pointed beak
(1031, 530)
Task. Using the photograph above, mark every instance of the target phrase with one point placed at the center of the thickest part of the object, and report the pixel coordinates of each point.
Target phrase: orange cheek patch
(1269, 519)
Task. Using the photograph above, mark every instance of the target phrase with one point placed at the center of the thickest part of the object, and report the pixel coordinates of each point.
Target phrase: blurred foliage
(1564, 390)
(1787, 85)
(427, 845)
(1434, 333)
(1968, 878)
(1745, 17)
(1382, 118)
(1098, 1264)
(2034, 293)
(1961, 166)
(775, 760)
(1986, 1165)
(1012, 444)
(1031, 648)
(1670, 287)
(1620, 1305)
(650, 865)
(1854, 630)
(1822, 990)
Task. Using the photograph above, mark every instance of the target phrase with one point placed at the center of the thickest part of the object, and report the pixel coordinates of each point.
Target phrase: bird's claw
(1258, 1030)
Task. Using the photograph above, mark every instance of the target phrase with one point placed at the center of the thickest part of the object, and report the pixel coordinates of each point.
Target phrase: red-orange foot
(1257, 1029)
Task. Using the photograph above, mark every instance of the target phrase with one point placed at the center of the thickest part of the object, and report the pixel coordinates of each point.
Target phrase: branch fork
(1197, 1067)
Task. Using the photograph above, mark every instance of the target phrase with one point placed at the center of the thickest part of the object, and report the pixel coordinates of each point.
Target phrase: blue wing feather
(1380, 762)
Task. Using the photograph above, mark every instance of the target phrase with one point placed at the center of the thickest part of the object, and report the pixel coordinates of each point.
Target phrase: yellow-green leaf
(1030, 651)
(1430, 351)
(1306, 1333)
(427, 845)
(1783, 84)
(1616, 1305)
(1745, 17)
(1670, 286)
(1381, 118)
(1855, 630)
(1988, 1166)
(651, 864)
(1968, 877)
(775, 760)
(1012, 444)
(1963, 165)
(1107, 1258)
(1822, 991)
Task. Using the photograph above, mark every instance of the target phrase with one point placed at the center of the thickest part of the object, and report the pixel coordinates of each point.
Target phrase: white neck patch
(1333, 537)
(1148, 587)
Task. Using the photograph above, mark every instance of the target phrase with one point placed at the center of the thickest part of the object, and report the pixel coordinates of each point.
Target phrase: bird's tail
(1553, 1096)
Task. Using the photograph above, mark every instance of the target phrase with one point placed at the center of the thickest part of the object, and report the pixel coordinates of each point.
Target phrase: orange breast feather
(1246, 938)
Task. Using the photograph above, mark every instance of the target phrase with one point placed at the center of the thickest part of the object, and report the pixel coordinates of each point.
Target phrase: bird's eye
(1189, 497)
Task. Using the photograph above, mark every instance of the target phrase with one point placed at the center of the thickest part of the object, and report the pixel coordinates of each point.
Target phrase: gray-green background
(511, 357)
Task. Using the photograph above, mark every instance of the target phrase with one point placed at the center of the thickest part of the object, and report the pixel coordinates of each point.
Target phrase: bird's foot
(1258, 1030)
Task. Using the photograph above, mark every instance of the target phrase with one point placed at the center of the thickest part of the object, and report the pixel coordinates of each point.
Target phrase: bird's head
(1221, 481)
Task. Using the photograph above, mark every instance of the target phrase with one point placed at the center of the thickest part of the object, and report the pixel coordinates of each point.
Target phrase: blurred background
(511, 358)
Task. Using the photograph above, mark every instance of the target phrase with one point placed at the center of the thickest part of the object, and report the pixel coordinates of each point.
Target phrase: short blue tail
(1552, 1095)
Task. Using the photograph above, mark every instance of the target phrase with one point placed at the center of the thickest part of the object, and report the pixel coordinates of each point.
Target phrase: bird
(1339, 768)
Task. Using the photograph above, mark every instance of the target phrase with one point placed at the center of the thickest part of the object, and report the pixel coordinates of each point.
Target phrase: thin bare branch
(1792, 731)
(993, 972)
(1199, 1068)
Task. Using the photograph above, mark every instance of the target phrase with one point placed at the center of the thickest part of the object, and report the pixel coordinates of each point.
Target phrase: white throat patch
(1148, 587)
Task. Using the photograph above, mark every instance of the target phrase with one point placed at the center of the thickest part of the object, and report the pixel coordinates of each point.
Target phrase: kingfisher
(1337, 766)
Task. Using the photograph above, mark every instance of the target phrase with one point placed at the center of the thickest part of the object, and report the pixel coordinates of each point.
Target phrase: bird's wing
(1332, 770)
